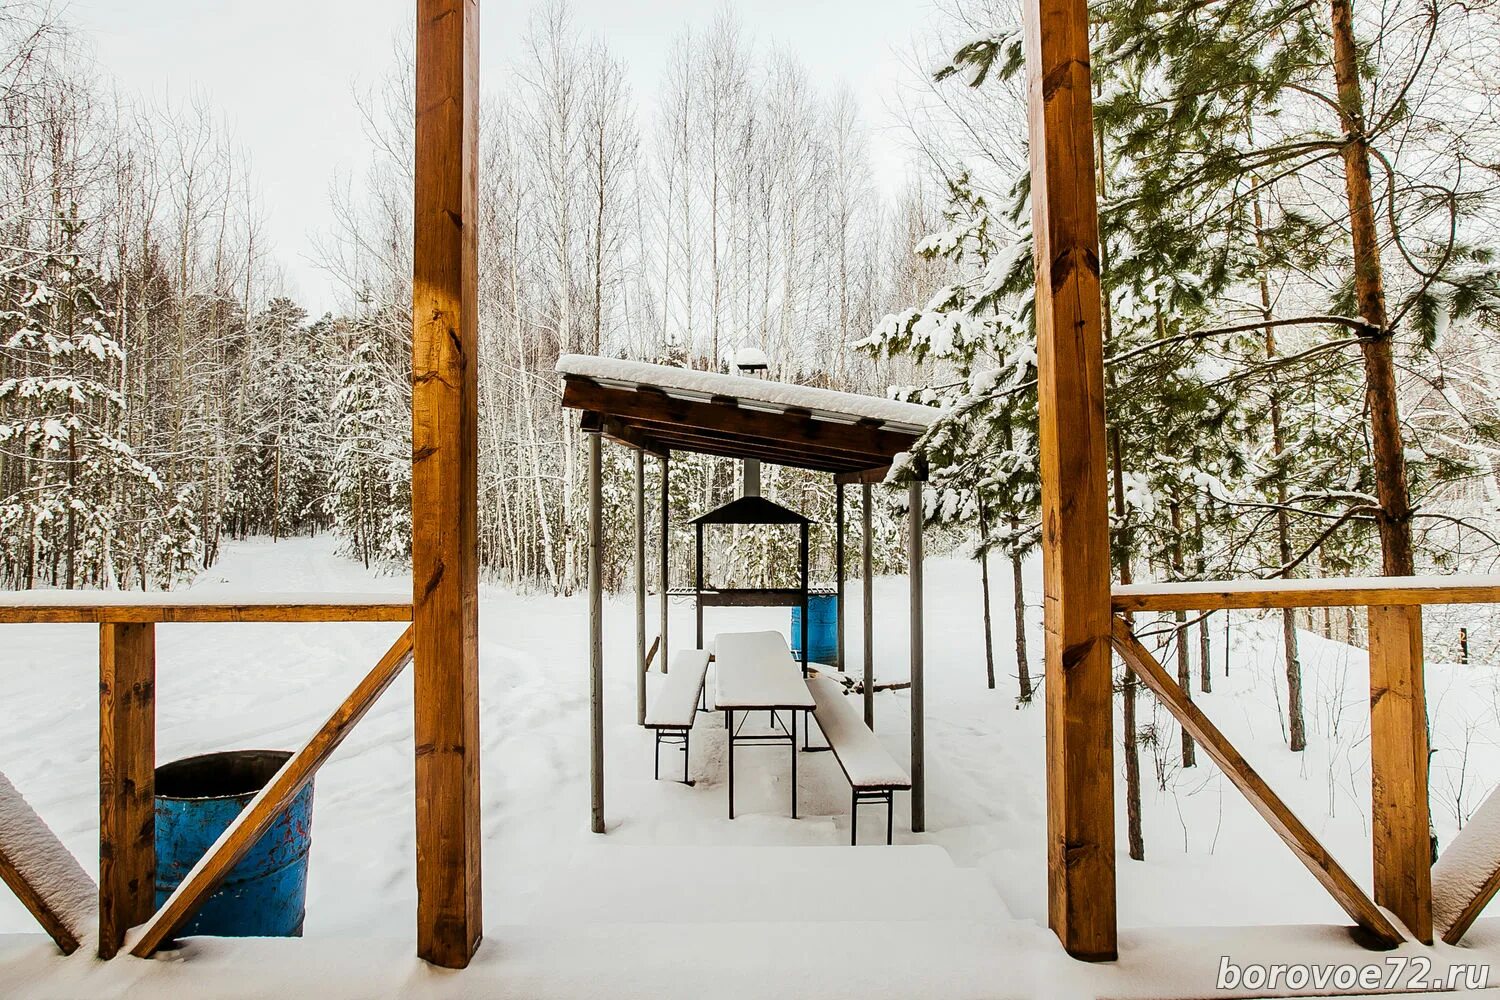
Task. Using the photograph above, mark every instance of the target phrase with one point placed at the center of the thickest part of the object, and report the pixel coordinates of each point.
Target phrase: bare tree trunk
(984, 583)
(1394, 516)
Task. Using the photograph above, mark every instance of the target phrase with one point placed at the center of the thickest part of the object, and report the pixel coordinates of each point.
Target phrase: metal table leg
(729, 725)
(794, 763)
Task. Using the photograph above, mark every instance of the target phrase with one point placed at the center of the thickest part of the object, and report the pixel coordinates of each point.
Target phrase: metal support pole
(802, 561)
(698, 585)
(867, 570)
(666, 549)
(596, 640)
(838, 565)
(914, 572)
(640, 588)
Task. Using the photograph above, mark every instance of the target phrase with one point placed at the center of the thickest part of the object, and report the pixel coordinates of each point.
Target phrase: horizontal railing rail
(127, 743)
(1221, 595)
(103, 607)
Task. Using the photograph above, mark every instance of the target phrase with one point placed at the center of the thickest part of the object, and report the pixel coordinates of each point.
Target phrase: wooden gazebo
(657, 409)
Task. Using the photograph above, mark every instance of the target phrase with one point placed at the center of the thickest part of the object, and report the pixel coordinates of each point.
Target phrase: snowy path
(1210, 860)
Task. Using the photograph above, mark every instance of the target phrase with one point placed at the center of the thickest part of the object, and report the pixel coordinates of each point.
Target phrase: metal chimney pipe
(752, 363)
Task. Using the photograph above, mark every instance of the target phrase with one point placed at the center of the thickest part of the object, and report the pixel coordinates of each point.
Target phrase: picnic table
(754, 671)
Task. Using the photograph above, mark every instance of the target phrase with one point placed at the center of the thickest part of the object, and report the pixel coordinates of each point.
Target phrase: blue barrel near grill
(822, 629)
(265, 895)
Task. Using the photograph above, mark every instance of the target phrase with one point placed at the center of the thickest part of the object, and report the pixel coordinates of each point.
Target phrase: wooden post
(640, 588)
(596, 639)
(838, 565)
(444, 481)
(867, 563)
(914, 575)
(1398, 768)
(1075, 520)
(127, 780)
(666, 551)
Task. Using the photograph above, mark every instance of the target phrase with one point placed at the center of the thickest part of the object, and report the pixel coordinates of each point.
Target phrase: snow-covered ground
(1211, 862)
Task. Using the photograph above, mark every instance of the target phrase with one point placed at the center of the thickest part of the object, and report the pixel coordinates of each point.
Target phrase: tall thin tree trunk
(984, 583)
(1184, 659)
(1394, 516)
(1296, 726)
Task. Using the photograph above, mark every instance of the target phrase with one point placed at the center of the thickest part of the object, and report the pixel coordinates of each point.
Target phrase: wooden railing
(1398, 737)
(127, 750)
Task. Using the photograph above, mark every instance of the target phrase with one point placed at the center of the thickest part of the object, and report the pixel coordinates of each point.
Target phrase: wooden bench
(672, 713)
(873, 774)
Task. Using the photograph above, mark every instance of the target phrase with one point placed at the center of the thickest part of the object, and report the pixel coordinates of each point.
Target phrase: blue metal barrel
(822, 629)
(265, 895)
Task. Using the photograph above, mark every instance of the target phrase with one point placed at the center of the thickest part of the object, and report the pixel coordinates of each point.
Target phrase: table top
(756, 670)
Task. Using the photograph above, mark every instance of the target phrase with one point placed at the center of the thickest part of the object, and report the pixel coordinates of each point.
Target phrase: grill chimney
(752, 363)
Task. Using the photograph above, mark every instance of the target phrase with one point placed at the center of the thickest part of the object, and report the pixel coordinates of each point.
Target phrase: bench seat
(672, 712)
(871, 771)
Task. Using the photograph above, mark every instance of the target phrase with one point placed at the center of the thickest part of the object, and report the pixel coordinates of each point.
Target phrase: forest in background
(159, 391)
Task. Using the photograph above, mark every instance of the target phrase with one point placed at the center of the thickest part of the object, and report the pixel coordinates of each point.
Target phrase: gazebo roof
(751, 510)
(659, 409)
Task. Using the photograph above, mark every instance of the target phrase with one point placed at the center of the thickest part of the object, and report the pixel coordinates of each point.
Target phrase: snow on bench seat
(676, 704)
(866, 763)
(1467, 873)
(44, 873)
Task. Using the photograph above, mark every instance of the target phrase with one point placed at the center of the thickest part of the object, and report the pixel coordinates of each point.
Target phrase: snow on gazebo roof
(752, 393)
(658, 409)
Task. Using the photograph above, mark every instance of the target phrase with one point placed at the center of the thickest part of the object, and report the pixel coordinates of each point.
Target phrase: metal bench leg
(656, 764)
(794, 763)
(729, 725)
(687, 754)
(853, 816)
(890, 809)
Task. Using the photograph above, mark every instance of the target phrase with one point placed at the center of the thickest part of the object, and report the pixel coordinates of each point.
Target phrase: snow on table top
(43, 861)
(865, 761)
(687, 383)
(756, 670)
(1466, 864)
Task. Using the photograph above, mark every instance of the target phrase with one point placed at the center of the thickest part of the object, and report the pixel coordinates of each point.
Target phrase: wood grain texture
(1361, 909)
(444, 486)
(726, 429)
(1215, 595)
(97, 607)
(258, 816)
(1075, 522)
(1398, 768)
(127, 780)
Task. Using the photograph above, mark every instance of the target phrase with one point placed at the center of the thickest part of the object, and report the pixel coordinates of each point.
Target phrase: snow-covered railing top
(99, 606)
(1212, 595)
(750, 393)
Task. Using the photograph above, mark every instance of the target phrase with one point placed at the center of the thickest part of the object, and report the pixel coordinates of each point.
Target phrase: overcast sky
(283, 72)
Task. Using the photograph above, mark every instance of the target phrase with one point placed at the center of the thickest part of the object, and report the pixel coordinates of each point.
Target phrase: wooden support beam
(43, 874)
(867, 582)
(918, 704)
(1400, 824)
(127, 780)
(444, 480)
(640, 588)
(1075, 521)
(800, 457)
(863, 477)
(257, 817)
(596, 637)
(1361, 909)
(658, 411)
